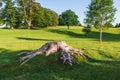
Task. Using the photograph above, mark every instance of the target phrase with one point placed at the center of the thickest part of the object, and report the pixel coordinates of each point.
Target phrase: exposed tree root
(60, 47)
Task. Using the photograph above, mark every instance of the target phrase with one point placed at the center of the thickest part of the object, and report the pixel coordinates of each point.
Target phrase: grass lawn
(104, 65)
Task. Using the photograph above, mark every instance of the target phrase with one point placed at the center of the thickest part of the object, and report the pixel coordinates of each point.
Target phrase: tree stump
(65, 51)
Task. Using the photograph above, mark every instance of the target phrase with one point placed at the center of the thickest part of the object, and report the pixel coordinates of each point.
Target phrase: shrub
(86, 30)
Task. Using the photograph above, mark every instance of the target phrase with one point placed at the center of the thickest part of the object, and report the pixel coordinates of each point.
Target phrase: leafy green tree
(0, 12)
(19, 19)
(1, 9)
(35, 15)
(86, 30)
(0, 3)
(1, 18)
(51, 17)
(100, 12)
(27, 7)
(68, 18)
(108, 25)
(117, 25)
(9, 13)
(45, 17)
(38, 19)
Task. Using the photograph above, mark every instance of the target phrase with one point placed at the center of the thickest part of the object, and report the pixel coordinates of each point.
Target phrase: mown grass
(104, 62)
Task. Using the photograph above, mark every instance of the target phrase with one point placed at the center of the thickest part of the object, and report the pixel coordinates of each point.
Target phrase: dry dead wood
(60, 47)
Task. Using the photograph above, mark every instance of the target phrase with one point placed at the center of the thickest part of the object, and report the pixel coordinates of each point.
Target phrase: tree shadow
(66, 32)
(9, 57)
(6, 56)
(33, 39)
(41, 66)
(109, 62)
(102, 53)
(92, 35)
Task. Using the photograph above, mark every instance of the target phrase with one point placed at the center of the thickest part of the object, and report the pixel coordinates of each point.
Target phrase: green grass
(103, 65)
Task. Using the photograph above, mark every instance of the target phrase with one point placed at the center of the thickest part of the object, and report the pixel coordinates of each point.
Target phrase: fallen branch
(60, 47)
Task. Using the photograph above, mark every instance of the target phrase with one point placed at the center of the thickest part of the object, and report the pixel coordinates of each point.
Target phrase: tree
(45, 17)
(108, 25)
(19, 18)
(117, 25)
(100, 12)
(0, 3)
(51, 17)
(1, 17)
(68, 18)
(9, 13)
(35, 15)
(86, 30)
(27, 7)
(1, 9)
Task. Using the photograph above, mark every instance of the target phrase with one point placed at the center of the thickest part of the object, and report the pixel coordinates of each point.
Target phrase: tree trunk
(26, 14)
(100, 34)
(66, 52)
(29, 24)
(68, 26)
(11, 27)
(29, 18)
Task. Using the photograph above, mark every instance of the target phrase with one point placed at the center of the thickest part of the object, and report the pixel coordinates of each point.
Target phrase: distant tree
(0, 3)
(108, 25)
(45, 17)
(1, 9)
(80, 24)
(99, 13)
(117, 25)
(1, 20)
(86, 30)
(19, 18)
(38, 19)
(27, 7)
(9, 13)
(36, 9)
(51, 17)
(68, 18)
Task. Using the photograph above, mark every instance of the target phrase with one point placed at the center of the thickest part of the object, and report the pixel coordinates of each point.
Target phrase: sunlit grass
(103, 65)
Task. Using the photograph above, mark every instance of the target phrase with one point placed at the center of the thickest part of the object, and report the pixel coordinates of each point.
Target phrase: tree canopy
(27, 14)
(100, 13)
(117, 25)
(0, 3)
(68, 18)
(9, 13)
(45, 17)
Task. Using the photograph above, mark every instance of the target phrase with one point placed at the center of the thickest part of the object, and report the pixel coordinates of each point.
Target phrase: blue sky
(78, 6)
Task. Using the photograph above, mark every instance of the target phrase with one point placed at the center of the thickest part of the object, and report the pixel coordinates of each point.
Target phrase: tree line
(30, 14)
(117, 25)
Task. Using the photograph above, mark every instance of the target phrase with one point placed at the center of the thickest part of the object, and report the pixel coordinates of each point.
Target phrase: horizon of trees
(117, 25)
(30, 14)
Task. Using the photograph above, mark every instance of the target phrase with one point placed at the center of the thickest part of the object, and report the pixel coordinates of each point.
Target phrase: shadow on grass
(47, 68)
(6, 56)
(34, 39)
(110, 62)
(92, 35)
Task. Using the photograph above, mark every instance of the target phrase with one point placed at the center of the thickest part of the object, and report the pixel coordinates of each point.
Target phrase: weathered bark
(61, 47)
